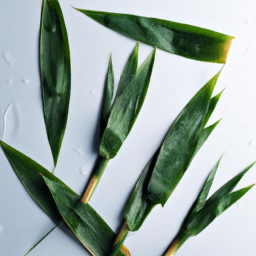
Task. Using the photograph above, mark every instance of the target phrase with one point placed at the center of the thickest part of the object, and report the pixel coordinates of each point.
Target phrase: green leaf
(108, 96)
(203, 213)
(177, 38)
(55, 73)
(83, 220)
(200, 220)
(201, 199)
(179, 146)
(213, 102)
(29, 172)
(205, 133)
(129, 70)
(126, 109)
(228, 187)
(138, 207)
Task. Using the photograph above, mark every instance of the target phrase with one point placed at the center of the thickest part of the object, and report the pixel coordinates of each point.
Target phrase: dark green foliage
(82, 219)
(126, 109)
(30, 173)
(55, 70)
(179, 145)
(108, 96)
(181, 39)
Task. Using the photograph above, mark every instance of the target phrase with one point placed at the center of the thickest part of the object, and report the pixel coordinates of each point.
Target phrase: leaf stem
(97, 172)
(177, 242)
(120, 239)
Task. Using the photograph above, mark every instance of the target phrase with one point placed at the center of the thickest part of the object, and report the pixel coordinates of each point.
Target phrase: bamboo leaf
(30, 173)
(203, 213)
(126, 109)
(108, 96)
(83, 220)
(200, 220)
(205, 133)
(129, 70)
(177, 38)
(213, 102)
(55, 73)
(228, 187)
(138, 207)
(179, 146)
(201, 199)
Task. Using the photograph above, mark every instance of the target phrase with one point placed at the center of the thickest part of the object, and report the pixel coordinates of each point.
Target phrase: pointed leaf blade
(179, 146)
(213, 103)
(228, 187)
(204, 217)
(29, 172)
(55, 72)
(129, 70)
(205, 133)
(138, 207)
(177, 38)
(201, 199)
(108, 96)
(126, 109)
(91, 230)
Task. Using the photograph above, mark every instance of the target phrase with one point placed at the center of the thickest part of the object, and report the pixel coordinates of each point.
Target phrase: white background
(174, 81)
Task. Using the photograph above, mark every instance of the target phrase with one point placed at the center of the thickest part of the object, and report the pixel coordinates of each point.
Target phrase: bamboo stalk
(177, 242)
(118, 244)
(97, 173)
(173, 248)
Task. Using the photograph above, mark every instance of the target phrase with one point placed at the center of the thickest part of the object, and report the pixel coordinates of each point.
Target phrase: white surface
(174, 81)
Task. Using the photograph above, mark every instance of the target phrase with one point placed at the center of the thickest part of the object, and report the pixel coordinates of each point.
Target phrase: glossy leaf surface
(126, 109)
(179, 146)
(228, 187)
(204, 212)
(200, 202)
(213, 102)
(177, 38)
(138, 207)
(205, 133)
(83, 220)
(108, 96)
(204, 217)
(29, 172)
(55, 70)
(129, 70)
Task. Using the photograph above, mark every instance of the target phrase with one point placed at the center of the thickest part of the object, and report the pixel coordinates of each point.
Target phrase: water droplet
(13, 116)
(26, 81)
(84, 170)
(248, 21)
(9, 81)
(79, 150)
(9, 58)
(253, 142)
(93, 92)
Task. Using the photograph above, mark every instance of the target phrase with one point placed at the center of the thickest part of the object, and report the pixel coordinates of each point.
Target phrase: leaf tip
(75, 8)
